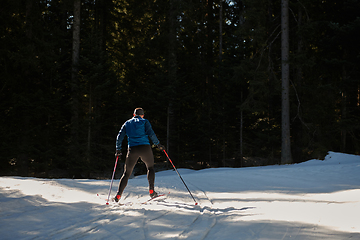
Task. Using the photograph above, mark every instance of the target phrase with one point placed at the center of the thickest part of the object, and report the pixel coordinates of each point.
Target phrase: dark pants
(134, 153)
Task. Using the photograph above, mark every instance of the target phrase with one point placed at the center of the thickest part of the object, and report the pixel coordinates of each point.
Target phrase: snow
(311, 200)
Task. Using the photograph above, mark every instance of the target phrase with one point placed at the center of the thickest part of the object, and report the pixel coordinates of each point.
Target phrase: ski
(124, 204)
(112, 201)
(158, 197)
(120, 203)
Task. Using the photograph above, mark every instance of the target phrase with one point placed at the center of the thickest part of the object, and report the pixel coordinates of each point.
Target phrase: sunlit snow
(312, 200)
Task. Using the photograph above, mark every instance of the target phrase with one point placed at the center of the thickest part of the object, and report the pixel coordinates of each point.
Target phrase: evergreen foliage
(191, 68)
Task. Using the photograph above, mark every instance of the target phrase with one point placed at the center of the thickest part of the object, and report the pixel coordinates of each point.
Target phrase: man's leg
(148, 158)
(131, 159)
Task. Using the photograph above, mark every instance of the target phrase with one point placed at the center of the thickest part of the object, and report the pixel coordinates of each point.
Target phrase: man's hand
(161, 147)
(118, 153)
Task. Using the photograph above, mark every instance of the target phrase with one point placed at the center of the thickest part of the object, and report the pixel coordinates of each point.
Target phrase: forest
(208, 74)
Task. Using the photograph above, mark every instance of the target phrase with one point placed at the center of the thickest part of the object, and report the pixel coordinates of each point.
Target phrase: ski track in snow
(313, 200)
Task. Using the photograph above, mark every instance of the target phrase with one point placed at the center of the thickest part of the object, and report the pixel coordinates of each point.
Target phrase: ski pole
(180, 176)
(112, 179)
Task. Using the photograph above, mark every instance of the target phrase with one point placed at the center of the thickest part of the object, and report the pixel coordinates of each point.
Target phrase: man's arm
(120, 137)
(150, 132)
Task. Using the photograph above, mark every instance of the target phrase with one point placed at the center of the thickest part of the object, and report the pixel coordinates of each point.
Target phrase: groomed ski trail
(312, 200)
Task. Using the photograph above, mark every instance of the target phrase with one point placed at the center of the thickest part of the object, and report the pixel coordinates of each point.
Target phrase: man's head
(139, 112)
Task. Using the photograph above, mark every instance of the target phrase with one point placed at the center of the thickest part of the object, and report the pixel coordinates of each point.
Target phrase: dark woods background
(207, 73)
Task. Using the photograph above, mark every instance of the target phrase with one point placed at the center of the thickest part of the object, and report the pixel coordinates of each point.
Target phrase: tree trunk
(74, 77)
(220, 30)
(220, 79)
(343, 113)
(297, 125)
(285, 70)
(172, 76)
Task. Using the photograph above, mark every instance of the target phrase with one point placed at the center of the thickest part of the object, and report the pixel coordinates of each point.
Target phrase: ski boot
(153, 194)
(117, 197)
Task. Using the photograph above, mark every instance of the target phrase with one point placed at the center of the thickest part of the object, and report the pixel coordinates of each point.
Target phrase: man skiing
(138, 130)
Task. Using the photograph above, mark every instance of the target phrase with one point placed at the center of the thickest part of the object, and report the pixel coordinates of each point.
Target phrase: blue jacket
(138, 131)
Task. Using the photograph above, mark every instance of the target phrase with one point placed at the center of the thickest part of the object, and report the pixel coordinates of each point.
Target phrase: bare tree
(286, 157)
(74, 74)
(172, 74)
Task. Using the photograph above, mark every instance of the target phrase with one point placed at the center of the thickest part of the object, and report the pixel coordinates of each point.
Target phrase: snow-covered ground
(312, 200)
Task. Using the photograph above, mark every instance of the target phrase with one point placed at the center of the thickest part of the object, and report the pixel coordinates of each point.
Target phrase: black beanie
(139, 111)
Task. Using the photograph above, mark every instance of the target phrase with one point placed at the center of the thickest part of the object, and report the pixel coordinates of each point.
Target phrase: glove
(161, 147)
(118, 153)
